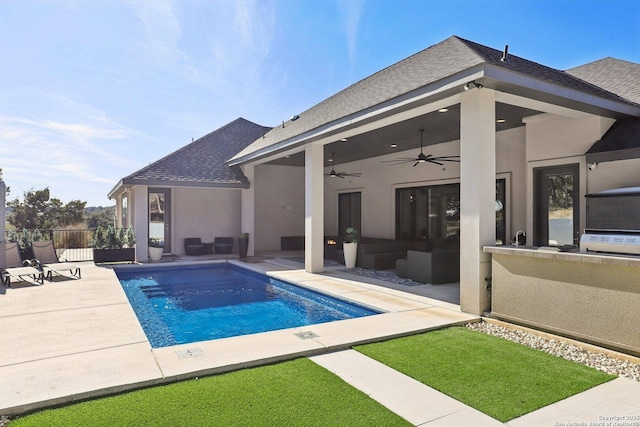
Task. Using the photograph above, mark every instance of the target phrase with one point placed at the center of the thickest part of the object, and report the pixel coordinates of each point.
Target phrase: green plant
(243, 236)
(24, 237)
(155, 242)
(131, 237)
(351, 235)
(113, 238)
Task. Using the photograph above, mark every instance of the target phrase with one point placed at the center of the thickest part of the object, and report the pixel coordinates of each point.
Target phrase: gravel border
(600, 361)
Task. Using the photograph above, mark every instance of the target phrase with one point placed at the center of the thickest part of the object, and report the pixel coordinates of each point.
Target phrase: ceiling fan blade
(401, 159)
(448, 158)
(416, 164)
(435, 162)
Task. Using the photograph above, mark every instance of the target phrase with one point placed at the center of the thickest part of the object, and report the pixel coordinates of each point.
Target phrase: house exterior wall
(379, 182)
(610, 175)
(553, 140)
(279, 204)
(206, 213)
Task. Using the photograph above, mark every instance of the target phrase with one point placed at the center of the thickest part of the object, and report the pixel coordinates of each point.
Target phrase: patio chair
(223, 245)
(193, 246)
(11, 266)
(47, 259)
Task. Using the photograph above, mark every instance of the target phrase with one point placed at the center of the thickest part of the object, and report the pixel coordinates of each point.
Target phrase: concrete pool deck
(75, 339)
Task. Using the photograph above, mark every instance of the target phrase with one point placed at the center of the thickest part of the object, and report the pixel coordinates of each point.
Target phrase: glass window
(433, 212)
(124, 212)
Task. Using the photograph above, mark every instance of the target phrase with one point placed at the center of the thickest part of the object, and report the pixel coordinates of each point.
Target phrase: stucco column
(3, 209)
(247, 201)
(141, 221)
(477, 196)
(314, 208)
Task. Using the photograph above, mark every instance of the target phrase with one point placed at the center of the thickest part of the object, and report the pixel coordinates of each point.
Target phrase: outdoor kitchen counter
(588, 296)
(572, 256)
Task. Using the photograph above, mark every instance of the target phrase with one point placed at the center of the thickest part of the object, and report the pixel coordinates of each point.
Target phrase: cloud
(351, 12)
(86, 155)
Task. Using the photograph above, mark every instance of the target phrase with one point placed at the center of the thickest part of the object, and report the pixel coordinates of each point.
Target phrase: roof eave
(432, 92)
(194, 184)
(554, 93)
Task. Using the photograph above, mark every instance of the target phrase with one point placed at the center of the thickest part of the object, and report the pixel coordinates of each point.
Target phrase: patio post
(247, 204)
(477, 196)
(314, 208)
(141, 221)
(3, 206)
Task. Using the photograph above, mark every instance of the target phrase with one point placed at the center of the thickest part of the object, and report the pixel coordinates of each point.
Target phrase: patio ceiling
(439, 127)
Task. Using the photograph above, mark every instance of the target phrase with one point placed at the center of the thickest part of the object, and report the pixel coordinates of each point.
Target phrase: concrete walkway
(74, 339)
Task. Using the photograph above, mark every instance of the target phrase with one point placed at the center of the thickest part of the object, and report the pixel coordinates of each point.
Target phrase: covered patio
(503, 115)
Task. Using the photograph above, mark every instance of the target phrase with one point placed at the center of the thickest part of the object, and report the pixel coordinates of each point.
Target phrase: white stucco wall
(279, 201)
(610, 175)
(556, 140)
(204, 213)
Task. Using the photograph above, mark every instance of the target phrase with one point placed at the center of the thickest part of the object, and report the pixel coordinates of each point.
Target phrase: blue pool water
(179, 305)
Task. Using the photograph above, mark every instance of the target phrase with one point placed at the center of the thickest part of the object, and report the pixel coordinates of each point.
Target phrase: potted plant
(350, 247)
(113, 245)
(243, 244)
(156, 248)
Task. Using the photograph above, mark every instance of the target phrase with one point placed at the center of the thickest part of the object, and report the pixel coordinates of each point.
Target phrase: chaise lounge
(11, 266)
(47, 259)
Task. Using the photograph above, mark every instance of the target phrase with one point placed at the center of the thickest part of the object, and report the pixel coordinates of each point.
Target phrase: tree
(7, 188)
(103, 218)
(39, 210)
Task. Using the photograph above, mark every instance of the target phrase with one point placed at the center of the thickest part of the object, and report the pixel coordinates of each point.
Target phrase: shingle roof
(624, 134)
(202, 162)
(615, 75)
(435, 63)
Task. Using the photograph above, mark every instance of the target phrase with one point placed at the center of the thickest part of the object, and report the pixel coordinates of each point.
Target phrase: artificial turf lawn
(501, 378)
(298, 393)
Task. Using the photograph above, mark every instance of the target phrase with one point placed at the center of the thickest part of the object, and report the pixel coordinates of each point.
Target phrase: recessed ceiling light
(394, 145)
(443, 110)
(287, 157)
(343, 140)
(501, 120)
(330, 160)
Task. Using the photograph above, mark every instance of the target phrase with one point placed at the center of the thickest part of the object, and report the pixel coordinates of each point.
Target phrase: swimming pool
(184, 304)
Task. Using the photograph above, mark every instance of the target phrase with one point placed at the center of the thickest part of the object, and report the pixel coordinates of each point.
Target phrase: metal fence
(70, 244)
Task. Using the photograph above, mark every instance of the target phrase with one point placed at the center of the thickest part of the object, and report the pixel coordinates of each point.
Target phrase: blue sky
(91, 91)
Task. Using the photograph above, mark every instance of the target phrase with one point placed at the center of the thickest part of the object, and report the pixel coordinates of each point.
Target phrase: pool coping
(77, 339)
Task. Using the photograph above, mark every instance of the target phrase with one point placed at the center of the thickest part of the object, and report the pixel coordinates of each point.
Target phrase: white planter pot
(350, 254)
(155, 254)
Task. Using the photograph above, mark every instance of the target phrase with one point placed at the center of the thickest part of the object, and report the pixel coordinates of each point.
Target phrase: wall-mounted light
(474, 84)
(294, 118)
(593, 166)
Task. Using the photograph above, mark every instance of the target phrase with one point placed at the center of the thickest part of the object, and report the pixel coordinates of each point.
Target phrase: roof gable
(203, 162)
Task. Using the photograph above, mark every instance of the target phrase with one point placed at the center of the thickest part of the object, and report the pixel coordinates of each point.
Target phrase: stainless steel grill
(613, 222)
(612, 241)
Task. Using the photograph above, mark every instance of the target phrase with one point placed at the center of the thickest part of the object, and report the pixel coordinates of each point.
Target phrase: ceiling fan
(422, 158)
(334, 174)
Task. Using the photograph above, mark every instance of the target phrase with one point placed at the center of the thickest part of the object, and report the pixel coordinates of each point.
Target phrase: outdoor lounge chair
(47, 259)
(11, 266)
(193, 246)
(223, 245)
